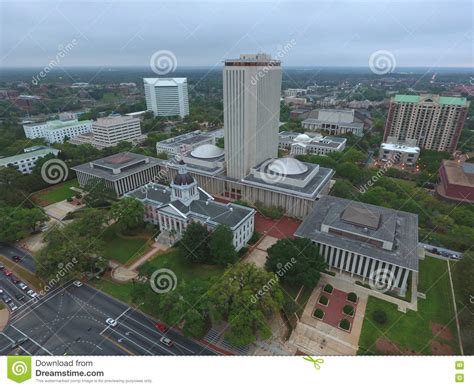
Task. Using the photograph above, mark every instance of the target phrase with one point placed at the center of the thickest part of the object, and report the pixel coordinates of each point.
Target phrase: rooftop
(37, 152)
(443, 100)
(373, 231)
(115, 120)
(165, 81)
(459, 173)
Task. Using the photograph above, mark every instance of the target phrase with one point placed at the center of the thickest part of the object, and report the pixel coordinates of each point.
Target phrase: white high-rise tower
(252, 86)
(167, 96)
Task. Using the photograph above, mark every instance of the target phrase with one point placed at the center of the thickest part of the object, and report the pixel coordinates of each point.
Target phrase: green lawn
(117, 290)
(411, 331)
(56, 193)
(123, 248)
(183, 269)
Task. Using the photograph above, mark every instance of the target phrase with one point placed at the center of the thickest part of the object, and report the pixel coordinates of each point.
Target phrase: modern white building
(311, 143)
(56, 131)
(122, 172)
(167, 96)
(398, 152)
(335, 122)
(370, 242)
(252, 88)
(173, 209)
(25, 162)
(184, 143)
(111, 130)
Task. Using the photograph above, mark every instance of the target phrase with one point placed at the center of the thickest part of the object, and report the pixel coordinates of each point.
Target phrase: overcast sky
(203, 33)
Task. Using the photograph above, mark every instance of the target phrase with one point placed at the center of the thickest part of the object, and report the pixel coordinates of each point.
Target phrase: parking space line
(32, 340)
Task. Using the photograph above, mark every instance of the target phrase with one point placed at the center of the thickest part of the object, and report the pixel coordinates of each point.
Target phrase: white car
(22, 286)
(166, 341)
(1, 291)
(32, 294)
(111, 322)
(13, 306)
(77, 283)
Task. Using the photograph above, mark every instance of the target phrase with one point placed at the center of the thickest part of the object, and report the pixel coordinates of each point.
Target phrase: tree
(17, 223)
(194, 243)
(221, 246)
(98, 194)
(246, 297)
(129, 214)
(296, 261)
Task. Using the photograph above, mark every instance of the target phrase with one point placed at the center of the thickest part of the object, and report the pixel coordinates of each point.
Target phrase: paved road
(27, 260)
(71, 320)
(450, 251)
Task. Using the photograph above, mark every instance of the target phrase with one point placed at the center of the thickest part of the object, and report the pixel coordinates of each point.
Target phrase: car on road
(22, 286)
(13, 306)
(1, 291)
(111, 322)
(32, 294)
(77, 283)
(16, 258)
(166, 341)
(161, 327)
(454, 256)
(19, 342)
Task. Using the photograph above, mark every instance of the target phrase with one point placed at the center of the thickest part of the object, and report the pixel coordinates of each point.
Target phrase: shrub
(352, 297)
(324, 300)
(328, 288)
(273, 212)
(69, 199)
(78, 196)
(344, 324)
(318, 313)
(380, 316)
(255, 237)
(349, 310)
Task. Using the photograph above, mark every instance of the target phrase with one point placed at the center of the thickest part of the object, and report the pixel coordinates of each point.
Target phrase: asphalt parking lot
(70, 320)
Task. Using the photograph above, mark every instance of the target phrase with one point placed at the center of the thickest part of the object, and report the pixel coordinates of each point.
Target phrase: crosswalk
(217, 338)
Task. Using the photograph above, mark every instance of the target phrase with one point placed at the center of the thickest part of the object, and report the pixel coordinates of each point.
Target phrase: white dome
(287, 166)
(207, 151)
(302, 137)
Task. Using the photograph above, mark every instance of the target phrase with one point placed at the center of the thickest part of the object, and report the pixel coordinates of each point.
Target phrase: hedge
(347, 309)
(344, 324)
(352, 297)
(323, 300)
(328, 288)
(318, 313)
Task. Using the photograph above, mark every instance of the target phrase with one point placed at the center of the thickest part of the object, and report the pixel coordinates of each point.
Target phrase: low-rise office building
(174, 208)
(404, 153)
(335, 122)
(122, 172)
(370, 242)
(55, 131)
(310, 143)
(25, 162)
(184, 143)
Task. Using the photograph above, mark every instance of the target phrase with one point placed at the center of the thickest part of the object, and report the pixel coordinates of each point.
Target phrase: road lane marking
(32, 340)
(119, 345)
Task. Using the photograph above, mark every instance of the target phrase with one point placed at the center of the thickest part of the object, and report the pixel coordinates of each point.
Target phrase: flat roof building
(25, 162)
(122, 172)
(364, 240)
(184, 143)
(397, 152)
(335, 122)
(111, 130)
(456, 181)
(310, 143)
(55, 131)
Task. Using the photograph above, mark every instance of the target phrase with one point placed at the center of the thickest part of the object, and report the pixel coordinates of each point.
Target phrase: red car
(16, 259)
(161, 327)
(7, 272)
(15, 279)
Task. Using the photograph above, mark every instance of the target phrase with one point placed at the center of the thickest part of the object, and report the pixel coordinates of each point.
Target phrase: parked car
(6, 299)
(161, 327)
(77, 283)
(166, 341)
(32, 294)
(16, 258)
(7, 272)
(14, 279)
(111, 322)
(1, 291)
(22, 286)
(19, 297)
(2, 267)
(13, 306)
